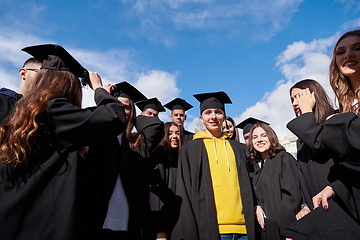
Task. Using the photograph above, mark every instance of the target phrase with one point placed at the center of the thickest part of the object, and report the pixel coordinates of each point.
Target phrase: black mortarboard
(212, 100)
(126, 90)
(152, 103)
(178, 103)
(247, 124)
(55, 57)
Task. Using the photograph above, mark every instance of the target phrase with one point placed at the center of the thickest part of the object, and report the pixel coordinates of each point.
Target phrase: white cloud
(113, 66)
(299, 61)
(161, 19)
(156, 83)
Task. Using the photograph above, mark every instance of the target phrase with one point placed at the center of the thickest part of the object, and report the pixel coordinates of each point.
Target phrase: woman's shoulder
(285, 155)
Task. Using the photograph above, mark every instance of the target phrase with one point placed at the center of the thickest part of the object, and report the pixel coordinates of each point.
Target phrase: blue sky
(253, 50)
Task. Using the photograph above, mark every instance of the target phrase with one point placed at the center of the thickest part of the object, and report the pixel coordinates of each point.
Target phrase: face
(127, 107)
(178, 116)
(246, 139)
(213, 119)
(260, 140)
(29, 72)
(230, 129)
(150, 112)
(347, 56)
(174, 136)
(294, 93)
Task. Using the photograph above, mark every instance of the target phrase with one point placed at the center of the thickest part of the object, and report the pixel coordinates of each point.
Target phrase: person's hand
(322, 197)
(260, 215)
(161, 236)
(306, 100)
(302, 213)
(109, 87)
(94, 80)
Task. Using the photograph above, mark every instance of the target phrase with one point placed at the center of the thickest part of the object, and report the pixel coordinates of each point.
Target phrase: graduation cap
(212, 100)
(126, 90)
(152, 103)
(178, 103)
(247, 124)
(55, 57)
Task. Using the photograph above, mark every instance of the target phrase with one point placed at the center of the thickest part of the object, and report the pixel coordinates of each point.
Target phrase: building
(289, 143)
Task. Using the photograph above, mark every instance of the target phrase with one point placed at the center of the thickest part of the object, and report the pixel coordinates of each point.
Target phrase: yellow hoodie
(225, 183)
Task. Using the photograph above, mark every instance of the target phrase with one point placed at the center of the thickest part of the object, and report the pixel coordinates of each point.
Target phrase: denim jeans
(233, 236)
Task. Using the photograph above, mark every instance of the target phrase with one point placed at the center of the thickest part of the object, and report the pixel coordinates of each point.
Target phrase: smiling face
(260, 140)
(347, 57)
(213, 119)
(174, 136)
(294, 93)
(230, 129)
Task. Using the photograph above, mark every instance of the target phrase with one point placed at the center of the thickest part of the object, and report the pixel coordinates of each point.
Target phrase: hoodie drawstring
(226, 152)
(227, 156)
(216, 156)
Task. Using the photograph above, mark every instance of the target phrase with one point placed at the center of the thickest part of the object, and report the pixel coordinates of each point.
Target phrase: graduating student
(344, 127)
(8, 97)
(276, 184)
(229, 128)
(39, 148)
(136, 149)
(163, 171)
(314, 160)
(178, 108)
(110, 218)
(339, 134)
(212, 180)
(246, 126)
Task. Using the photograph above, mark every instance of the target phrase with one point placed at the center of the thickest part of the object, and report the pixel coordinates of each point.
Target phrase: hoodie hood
(204, 135)
(219, 146)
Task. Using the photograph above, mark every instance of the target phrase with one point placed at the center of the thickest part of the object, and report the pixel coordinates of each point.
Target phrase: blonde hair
(340, 83)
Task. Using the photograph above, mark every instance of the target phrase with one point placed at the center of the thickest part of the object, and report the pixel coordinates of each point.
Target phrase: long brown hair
(323, 106)
(275, 146)
(165, 144)
(130, 124)
(21, 129)
(340, 83)
(236, 132)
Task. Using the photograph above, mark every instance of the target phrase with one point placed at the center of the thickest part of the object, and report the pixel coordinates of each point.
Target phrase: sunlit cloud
(299, 61)
(113, 66)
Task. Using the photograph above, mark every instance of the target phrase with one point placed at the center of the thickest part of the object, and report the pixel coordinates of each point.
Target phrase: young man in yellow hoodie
(213, 182)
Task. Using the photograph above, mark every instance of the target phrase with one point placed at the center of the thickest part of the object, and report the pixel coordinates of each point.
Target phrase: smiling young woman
(345, 71)
(163, 172)
(276, 182)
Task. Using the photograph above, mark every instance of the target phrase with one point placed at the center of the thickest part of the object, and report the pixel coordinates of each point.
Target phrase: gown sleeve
(291, 196)
(153, 130)
(186, 226)
(307, 129)
(87, 126)
(341, 135)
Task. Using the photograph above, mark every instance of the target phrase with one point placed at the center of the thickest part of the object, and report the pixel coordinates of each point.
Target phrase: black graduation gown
(163, 202)
(110, 159)
(314, 160)
(277, 189)
(198, 220)
(345, 128)
(134, 176)
(8, 98)
(187, 135)
(40, 200)
(332, 224)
